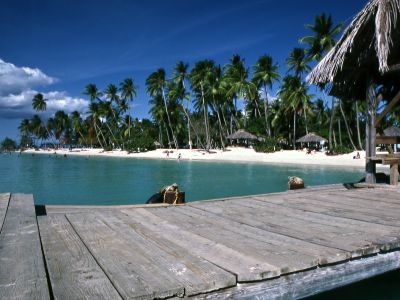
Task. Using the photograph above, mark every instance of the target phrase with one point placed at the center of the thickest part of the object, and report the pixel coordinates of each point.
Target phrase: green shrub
(140, 143)
(268, 146)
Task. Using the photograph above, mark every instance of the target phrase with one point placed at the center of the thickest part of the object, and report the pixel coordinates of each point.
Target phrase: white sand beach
(232, 154)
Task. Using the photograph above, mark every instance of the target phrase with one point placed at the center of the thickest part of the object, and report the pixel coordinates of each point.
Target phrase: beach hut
(311, 138)
(366, 56)
(242, 135)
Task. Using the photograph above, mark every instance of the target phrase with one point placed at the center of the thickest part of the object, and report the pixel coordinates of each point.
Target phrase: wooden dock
(284, 245)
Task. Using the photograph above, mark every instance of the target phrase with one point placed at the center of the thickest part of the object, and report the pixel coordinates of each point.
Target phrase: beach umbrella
(241, 134)
(392, 131)
(368, 50)
(311, 138)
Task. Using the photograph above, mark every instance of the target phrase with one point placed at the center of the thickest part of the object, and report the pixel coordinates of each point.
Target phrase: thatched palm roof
(368, 49)
(241, 134)
(311, 138)
(392, 131)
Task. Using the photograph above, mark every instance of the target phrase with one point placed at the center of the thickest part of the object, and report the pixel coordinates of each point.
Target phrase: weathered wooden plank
(245, 267)
(74, 273)
(384, 211)
(4, 199)
(348, 201)
(324, 255)
(285, 259)
(130, 270)
(68, 209)
(376, 196)
(305, 230)
(311, 282)
(22, 272)
(195, 274)
(315, 205)
(386, 236)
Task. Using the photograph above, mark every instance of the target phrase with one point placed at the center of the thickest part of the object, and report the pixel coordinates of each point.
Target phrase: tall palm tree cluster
(106, 124)
(201, 106)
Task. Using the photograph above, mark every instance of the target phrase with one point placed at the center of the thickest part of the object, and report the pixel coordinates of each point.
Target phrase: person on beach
(167, 154)
(179, 156)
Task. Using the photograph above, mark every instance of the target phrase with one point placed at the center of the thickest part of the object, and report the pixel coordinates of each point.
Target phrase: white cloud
(17, 91)
(14, 80)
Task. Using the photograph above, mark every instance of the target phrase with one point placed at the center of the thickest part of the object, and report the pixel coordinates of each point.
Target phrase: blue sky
(58, 47)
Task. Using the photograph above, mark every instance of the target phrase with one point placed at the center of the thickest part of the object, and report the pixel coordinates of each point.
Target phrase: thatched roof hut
(311, 138)
(368, 50)
(241, 134)
(366, 56)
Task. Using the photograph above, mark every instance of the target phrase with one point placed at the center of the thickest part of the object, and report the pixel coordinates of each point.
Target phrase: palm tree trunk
(358, 127)
(331, 122)
(294, 130)
(97, 134)
(220, 124)
(266, 111)
(169, 120)
(334, 138)
(340, 132)
(188, 126)
(347, 125)
(205, 118)
(305, 120)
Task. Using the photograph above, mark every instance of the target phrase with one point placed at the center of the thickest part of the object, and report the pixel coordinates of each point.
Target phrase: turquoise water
(54, 179)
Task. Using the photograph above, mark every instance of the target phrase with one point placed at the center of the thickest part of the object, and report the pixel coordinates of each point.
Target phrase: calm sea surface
(95, 180)
(54, 179)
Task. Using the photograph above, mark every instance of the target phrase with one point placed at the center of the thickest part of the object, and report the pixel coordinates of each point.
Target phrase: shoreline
(232, 154)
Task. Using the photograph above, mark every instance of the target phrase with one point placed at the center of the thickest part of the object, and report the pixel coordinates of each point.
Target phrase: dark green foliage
(8, 145)
(141, 143)
(268, 146)
(340, 150)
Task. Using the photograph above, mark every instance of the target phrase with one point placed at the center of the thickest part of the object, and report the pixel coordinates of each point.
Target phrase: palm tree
(76, 121)
(294, 94)
(237, 74)
(156, 84)
(298, 62)
(39, 103)
(199, 77)
(265, 74)
(157, 111)
(128, 92)
(322, 40)
(180, 75)
(109, 111)
(92, 91)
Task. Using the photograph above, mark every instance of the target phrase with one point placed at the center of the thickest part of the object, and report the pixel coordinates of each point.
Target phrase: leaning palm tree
(156, 84)
(265, 74)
